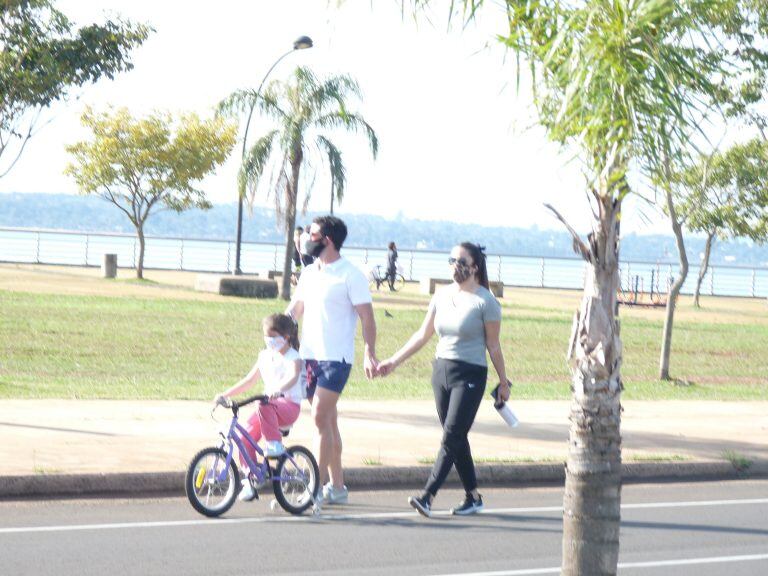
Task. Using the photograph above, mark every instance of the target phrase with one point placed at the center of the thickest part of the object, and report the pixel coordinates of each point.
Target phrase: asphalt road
(682, 529)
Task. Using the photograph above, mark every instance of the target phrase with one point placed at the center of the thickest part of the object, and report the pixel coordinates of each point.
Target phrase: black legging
(459, 388)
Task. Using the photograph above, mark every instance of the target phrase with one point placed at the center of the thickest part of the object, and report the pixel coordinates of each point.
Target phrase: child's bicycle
(213, 480)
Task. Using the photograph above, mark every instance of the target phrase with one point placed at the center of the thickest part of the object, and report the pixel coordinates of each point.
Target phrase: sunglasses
(460, 261)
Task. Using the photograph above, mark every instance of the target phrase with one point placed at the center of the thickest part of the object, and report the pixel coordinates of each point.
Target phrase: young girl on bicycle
(280, 367)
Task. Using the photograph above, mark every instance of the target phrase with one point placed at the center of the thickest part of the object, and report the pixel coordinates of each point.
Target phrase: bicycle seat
(284, 430)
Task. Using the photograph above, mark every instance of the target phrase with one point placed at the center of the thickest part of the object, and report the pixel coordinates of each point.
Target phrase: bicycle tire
(399, 282)
(373, 285)
(201, 481)
(286, 489)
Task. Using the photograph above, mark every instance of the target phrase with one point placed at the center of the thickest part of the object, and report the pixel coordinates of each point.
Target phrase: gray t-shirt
(460, 319)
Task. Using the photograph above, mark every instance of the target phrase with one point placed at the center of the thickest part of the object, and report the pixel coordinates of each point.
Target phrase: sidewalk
(59, 447)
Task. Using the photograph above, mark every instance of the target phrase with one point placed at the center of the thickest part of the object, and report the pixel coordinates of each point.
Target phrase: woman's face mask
(274, 342)
(462, 269)
(461, 272)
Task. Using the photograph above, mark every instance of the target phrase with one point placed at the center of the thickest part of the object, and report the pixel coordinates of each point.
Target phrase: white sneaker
(275, 448)
(247, 493)
(335, 495)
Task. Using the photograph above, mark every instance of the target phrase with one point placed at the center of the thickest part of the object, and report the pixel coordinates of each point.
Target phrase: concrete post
(109, 266)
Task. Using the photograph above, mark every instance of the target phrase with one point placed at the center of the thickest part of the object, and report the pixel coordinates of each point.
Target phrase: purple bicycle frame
(257, 469)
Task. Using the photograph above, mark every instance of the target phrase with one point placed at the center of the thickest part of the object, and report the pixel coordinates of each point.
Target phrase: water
(87, 249)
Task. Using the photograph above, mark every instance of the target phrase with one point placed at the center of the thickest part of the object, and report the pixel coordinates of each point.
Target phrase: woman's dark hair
(391, 246)
(477, 253)
(333, 228)
(285, 326)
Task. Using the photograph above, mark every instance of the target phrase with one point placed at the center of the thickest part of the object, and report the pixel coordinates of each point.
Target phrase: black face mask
(461, 273)
(315, 247)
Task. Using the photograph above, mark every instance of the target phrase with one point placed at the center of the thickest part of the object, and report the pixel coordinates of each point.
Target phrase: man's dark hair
(333, 228)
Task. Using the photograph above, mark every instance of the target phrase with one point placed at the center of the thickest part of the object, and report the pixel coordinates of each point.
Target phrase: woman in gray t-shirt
(467, 319)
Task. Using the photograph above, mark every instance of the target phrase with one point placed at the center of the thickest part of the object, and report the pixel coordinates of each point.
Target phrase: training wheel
(316, 510)
(273, 505)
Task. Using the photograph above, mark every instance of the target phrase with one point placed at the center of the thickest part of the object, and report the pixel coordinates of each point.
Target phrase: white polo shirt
(329, 295)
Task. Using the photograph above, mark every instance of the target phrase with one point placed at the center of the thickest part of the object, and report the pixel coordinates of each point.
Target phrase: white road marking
(625, 565)
(369, 516)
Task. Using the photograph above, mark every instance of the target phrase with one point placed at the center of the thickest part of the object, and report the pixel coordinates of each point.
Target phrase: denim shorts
(329, 374)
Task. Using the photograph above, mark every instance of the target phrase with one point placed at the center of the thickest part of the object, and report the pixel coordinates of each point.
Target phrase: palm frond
(352, 123)
(336, 166)
(254, 162)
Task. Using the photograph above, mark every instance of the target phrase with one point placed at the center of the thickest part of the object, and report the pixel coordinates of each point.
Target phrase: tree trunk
(290, 224)
(140, 264)
(674, 289)
(704, 266)
(592, 500)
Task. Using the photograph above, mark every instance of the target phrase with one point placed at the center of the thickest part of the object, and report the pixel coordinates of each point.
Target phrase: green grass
(739, 462)
(66, 346)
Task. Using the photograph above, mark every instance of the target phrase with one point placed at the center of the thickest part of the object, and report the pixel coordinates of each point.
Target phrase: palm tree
(305, 109)
(625, 83)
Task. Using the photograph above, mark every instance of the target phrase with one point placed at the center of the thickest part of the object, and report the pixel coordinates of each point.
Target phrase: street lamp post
(301, 43)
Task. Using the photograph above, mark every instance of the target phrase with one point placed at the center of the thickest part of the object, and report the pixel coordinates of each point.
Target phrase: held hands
(370, 365)
(386, 367)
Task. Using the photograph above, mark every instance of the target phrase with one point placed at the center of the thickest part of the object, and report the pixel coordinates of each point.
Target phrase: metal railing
(23, 245)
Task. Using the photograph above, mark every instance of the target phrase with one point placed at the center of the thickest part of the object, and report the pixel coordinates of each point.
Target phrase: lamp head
(302, 43)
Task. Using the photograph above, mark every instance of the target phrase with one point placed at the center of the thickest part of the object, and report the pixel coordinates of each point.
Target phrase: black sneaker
(469, 506)
(421, 504)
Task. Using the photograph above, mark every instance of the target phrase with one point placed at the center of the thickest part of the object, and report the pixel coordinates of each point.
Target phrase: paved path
(44, 439)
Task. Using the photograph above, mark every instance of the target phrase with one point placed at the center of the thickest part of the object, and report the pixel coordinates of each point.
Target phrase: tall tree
(43, 57)
(624, 82)
(305, 110)
(725, 195)
(142, 165)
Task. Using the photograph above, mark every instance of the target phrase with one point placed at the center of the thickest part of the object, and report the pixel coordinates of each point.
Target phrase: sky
(458, 139)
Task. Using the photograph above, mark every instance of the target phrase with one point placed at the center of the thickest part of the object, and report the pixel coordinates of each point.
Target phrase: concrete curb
(369, 478)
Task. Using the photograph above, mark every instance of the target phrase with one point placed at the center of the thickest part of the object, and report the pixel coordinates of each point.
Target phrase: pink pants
(268, 420)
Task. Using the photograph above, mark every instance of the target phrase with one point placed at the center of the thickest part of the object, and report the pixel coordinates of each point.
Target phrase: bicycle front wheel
(207, 491)
(296, 480)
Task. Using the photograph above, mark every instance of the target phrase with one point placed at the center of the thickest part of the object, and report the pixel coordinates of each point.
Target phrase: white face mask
(274, 342)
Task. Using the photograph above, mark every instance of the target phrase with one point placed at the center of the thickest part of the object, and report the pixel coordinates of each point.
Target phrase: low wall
(245, 286)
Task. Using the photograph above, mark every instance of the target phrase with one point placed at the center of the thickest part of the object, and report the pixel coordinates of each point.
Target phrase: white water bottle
(503, 409)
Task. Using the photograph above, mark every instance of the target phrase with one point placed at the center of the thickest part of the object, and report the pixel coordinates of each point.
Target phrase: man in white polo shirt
(331, 294)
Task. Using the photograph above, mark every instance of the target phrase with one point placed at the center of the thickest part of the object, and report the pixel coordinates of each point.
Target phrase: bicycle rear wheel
(207, 494)
(399, 282)
(296, 480)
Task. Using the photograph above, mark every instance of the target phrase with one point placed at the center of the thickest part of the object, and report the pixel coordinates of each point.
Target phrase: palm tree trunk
(674, 289)
(704, 266)
(290, 224)
(140, 265)
(592, 500)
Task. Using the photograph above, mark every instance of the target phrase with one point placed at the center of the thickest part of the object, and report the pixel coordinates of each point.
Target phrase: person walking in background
(467, 319)
(296, 247)
(304, 238)
(331, 294)
(391, 265)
